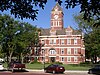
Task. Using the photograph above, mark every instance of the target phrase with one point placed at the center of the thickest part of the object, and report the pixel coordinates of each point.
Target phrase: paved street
(35, 73)
(40, 73)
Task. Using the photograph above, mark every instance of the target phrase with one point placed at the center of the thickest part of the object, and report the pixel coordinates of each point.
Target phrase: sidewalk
(72, 71)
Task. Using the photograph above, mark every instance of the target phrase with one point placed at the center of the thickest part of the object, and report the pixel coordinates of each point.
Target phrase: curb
(65, 71)
(76, 71)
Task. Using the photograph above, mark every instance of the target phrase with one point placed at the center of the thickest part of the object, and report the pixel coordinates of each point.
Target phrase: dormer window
(52, 32)
(68, 33)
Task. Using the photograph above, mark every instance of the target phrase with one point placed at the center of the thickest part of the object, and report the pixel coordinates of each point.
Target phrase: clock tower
(57, 18)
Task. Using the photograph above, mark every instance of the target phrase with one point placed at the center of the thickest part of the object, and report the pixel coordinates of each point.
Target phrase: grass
(67, 66)
(76, 67)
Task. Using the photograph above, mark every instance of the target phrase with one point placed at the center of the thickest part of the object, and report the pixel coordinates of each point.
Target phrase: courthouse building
(61, 44)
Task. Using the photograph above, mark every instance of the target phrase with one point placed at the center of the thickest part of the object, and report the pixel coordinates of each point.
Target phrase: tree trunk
(7, 61)
(10, 57)
(22, 58)
(95, 58)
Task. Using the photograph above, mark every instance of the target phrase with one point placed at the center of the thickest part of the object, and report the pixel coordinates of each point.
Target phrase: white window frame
(68, 32)
(68, 59)
(51, 41)
(42, 41)
(52, 52)
(54, 41)
(62, 59)
(53, 23)
(62, 41)
(62, 50)
(68, 41)
(75, 51)
(58, 23)
(75, 59)
(68, 51)
(75, 41)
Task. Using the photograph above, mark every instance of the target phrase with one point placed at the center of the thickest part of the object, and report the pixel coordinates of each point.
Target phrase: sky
(43, 16)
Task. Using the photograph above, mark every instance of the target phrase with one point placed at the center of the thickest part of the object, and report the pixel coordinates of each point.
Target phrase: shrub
(35, 62)
(58, 63)
(86, 62)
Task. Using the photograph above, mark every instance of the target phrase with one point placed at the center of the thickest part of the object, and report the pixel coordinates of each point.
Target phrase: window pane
(62, 41)
(69, 51)
(75, 41)
(52, 52)
(62, 51)
(68, 41)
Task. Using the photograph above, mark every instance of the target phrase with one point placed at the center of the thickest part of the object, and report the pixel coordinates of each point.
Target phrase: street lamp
(43, 57)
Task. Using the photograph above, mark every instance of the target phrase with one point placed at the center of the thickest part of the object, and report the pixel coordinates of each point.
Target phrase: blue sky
(43, 17)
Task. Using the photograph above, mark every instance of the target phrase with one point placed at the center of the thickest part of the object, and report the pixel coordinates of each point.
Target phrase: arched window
(52, 51)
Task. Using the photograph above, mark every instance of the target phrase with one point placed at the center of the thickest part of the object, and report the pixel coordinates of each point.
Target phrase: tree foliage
(15, 37)
(84, 25)
(7, 32)
(91, 37)
(29, 8)
(92, 45)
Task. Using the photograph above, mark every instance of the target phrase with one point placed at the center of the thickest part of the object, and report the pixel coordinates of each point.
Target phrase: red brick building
(61, 44)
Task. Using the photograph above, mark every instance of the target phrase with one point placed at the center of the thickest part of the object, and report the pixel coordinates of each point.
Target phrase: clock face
(56, 16)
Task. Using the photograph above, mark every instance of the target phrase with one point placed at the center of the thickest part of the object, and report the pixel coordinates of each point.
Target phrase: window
(69, 51)
(58, 23)
(69, 59)
(42, 41)
(68, 33)
(75, 41)
(75, 51)
(62, 58)
(53, 32)
(68, 41)
(53, 41)
(62, 41)
(75, 59)
(62, 51)
(52, 52)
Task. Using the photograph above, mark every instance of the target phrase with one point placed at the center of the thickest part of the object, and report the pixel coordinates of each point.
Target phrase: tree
(7, 31)
(92, 45)
(91, 37)
(15, 37)
(25, 37)
(27, 8)
(84, 25)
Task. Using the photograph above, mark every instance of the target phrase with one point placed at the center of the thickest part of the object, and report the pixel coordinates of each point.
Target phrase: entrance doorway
(52, 59)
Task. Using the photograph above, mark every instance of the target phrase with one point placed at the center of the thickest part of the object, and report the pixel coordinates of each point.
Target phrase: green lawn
(67, 67)
(76, 67)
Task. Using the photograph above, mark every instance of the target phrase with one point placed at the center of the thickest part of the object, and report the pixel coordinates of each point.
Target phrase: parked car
(1, 66)
(16, 65)
(1, 60)
(54, 68)
(94, 70)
